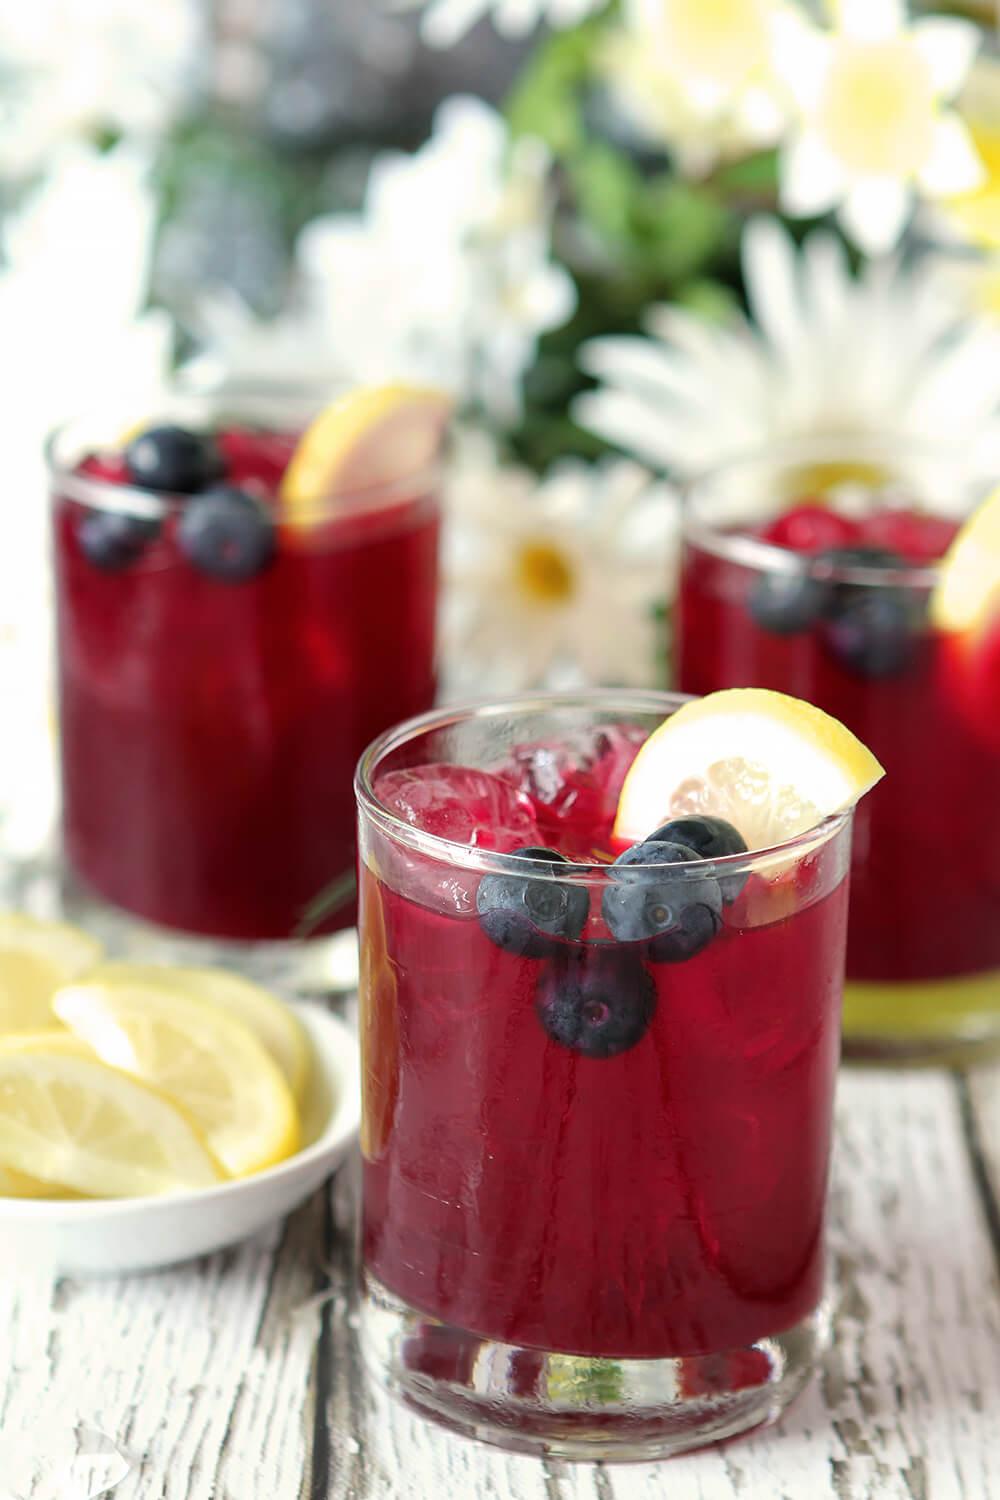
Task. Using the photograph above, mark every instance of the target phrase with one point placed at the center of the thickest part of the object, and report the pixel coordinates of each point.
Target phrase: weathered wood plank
(201, 1375)
(979, 1095)
(905, 1408)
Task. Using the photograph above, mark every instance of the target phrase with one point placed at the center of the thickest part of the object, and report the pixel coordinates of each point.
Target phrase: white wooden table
(238, 1377)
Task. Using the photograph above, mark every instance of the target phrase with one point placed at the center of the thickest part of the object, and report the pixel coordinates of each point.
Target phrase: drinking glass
(210, 720)
(856, 637)
(594, 1177)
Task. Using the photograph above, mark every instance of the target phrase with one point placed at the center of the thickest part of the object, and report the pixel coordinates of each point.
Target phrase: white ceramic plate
(136, 1234)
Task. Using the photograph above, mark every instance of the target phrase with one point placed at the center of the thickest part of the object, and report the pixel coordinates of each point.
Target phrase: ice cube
(574, 784)
(459, 803)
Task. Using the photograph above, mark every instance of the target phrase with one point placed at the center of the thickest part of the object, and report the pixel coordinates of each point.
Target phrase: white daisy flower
(552, 582)
(445, 22)
(72, 69)
(445, 276)
(875, 127)
(695, 82)
(827, 355)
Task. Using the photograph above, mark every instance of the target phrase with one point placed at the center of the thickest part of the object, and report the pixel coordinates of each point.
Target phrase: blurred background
(631, 238)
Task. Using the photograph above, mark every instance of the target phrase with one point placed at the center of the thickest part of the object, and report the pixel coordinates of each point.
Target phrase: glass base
(933, 1021)
(45, 887)
(572, 1407)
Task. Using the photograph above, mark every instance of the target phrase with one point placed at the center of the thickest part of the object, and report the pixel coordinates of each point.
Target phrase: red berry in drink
(810, 528)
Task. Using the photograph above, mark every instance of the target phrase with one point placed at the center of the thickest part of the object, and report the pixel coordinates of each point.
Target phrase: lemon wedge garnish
(375, 435)
(772, 765)
(37, 957)
(72, 1121)
(212, 1066)
(968, 588)
(276, 1027)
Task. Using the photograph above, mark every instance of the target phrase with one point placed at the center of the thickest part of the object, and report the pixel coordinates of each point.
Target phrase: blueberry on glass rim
(112, 540)
(173, 459)
(710, 838)
(869, 628)
(785, 603)
(674, 914)
(227, 533)
(531, 914)
(596, 999)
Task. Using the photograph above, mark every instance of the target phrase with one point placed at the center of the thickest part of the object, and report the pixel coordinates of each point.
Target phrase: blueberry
(710, 838)
(596, 1000)
(112, 540)
(870, 630)
(227, 533)
(173, 459)
(786, 603)
(676, 914)
(527, 914)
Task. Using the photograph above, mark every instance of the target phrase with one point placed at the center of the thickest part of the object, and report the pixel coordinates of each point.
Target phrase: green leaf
(332, 898)
(547, 99)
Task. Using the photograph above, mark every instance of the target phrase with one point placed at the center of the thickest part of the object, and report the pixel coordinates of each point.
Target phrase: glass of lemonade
(228, 643)
(597, 1096)
(822, 579)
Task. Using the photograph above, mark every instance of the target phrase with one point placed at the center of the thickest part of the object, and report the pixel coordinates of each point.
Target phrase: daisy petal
(800, 56)
(954, 165)
(446, 21)
(874, 212)
(812, 178)
(948, 47)
(771, 276)
(870, 20)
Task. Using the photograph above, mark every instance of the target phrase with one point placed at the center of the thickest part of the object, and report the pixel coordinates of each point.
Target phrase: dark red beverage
(835, 609)
(575, 1145)
(218, 680)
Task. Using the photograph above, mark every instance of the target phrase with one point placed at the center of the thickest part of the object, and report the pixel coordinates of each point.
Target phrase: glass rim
(466, 856)
(418, 484)
(762, 556)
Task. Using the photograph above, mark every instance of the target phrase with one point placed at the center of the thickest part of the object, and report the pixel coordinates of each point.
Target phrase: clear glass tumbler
(595, 1177)
(839, 612)
(220, 672)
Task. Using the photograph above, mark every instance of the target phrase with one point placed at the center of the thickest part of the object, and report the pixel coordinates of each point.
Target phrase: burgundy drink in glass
(221, 667)
(595, 1166)
(815, 579)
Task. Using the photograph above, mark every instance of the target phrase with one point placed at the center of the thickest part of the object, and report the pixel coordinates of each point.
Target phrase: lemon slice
(770, 764)
(276, 1027)
(73, 1121)
(188, 1049)
(19, 1185)
(37, 957)
(372, 436)
(968, 587)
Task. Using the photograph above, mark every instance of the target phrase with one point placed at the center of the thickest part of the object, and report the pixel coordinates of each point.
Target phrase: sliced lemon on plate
(212, 1066)
(967, 593)
(70, 1120)
(772, 765)
(371, 436)
(37, 957)
(276, 1027)
(19, 1185)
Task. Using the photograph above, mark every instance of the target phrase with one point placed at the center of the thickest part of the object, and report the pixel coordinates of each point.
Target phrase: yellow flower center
(977, 213)
(543, 573)
(877, 112)
(723, 40)
(819, 479)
